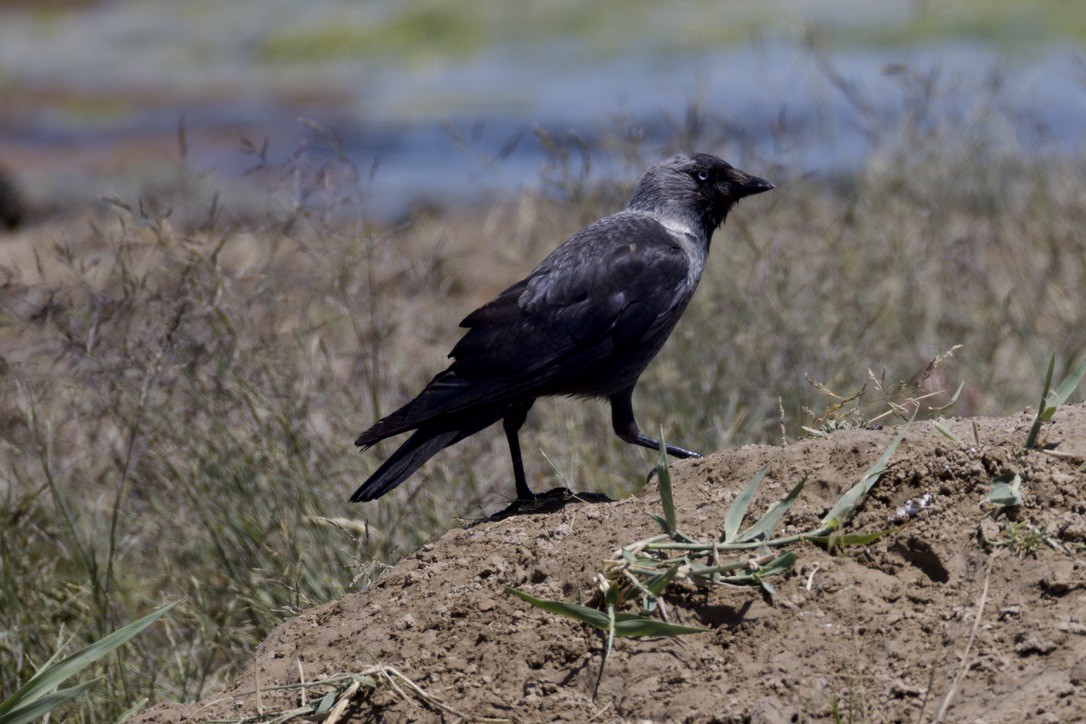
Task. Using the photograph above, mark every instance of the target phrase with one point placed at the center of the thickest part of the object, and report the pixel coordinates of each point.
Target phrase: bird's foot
(684, 455)
(533, 501)
(680, 452)
(548, 502)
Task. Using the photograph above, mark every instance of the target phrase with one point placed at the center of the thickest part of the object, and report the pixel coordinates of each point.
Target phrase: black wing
(584, 300)
(614, 284)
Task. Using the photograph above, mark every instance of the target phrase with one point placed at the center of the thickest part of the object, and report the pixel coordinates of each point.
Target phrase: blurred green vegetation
(417, 32)
(435, 29)
(1005, 23)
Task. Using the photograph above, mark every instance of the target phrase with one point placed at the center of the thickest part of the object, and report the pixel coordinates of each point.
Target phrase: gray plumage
(586, 321)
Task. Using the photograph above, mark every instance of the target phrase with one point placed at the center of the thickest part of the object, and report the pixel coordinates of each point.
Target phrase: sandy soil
(957, 611)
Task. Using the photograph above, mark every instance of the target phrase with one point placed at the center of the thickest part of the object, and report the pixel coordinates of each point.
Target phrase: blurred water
(91, 98)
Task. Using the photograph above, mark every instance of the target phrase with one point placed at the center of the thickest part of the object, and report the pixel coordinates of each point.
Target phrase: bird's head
(694, 189)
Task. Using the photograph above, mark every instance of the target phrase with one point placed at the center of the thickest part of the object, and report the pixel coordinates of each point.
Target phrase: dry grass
(179, 391)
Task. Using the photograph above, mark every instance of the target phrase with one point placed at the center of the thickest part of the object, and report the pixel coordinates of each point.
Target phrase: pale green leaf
(1042, 409)
(1063, 390)
(626, 624)
(630, 625)
(42, 705)
(768, 522)
(132, 711)
(666, 498)
(775, 567)
(738, 509)
(953, 399)
(50, 677)
(658, 583)
(326, 703)
(660, 521)
(846, 505)
(840, 540)
(778, 565)
(946, 433)
(1006, 491)
(584, 614)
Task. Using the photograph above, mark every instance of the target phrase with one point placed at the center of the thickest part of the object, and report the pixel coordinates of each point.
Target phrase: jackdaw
(585, 323)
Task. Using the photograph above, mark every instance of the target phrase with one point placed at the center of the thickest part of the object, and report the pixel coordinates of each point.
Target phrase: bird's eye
(702, 174)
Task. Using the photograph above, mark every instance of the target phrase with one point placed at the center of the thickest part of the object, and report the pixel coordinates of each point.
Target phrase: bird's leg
(622, 418)
(512, 423)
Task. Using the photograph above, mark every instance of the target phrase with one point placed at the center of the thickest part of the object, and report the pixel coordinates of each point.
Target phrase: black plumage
(586, 322)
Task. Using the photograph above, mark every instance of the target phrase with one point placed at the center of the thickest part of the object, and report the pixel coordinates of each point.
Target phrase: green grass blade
(584, 614)
(1058, 396)
(778, 565)
(841, 540)
(132, 711)
(326, 703)
(658, 583)
(660, 521)
(1042, 409)
(954, 399)
(42, 705)
(846, 504)
(946, 433)
(625, 624)
(666, 498)
(50, 677)
(775, 567)
(630, 625)
(738, 509)
(768, 522)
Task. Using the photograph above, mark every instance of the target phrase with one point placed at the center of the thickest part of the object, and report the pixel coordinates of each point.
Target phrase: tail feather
(435, 400)
(410, 456)
(451, 395)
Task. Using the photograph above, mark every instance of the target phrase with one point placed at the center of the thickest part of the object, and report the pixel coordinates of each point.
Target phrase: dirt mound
(960, 611)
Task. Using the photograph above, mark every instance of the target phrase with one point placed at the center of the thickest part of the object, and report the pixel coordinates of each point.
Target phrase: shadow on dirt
(549, 502)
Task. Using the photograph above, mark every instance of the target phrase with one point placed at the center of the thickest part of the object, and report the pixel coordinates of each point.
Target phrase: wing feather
(608, 285)
(614, 285)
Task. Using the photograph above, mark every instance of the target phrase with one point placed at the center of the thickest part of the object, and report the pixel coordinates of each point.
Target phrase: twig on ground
(941, 715)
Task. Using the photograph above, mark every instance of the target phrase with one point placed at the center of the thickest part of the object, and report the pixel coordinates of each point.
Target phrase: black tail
(441, 396)
(416, 450)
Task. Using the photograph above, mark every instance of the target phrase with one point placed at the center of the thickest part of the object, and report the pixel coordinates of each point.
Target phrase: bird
(584, 323)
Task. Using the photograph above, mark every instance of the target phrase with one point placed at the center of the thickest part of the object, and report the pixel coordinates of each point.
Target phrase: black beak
(755, 185)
